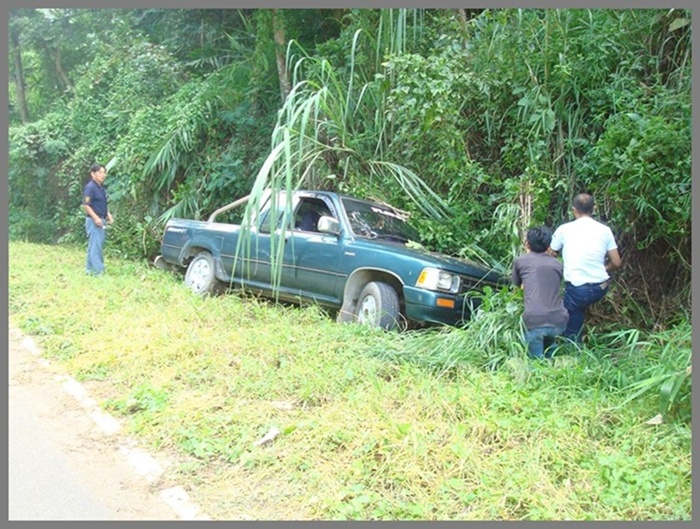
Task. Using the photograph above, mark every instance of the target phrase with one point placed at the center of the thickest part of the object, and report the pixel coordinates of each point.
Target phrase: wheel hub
(200, 275)
(368, 310)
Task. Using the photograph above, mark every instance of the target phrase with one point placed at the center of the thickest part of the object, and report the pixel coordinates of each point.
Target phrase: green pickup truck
(347, 254)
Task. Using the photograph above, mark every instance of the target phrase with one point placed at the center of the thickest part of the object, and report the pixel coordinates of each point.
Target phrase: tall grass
(657, 364)
(491, 338)
(373, 425)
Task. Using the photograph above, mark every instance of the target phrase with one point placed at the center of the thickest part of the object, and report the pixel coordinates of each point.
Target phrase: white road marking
(31, 345)
(74, 388)
(180, 502)
(108, 424)
(143, 463)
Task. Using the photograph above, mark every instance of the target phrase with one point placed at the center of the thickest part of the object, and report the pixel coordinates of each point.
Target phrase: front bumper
(433, 307)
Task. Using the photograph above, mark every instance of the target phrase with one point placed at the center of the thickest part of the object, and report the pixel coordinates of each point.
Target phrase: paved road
(62, 466)
(42, 484)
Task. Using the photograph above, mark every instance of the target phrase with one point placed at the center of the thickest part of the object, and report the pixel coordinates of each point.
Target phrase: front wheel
(201, 275)
(378, 306)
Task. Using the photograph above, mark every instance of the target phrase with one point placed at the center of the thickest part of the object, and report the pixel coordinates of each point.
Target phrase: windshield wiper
(391, 236)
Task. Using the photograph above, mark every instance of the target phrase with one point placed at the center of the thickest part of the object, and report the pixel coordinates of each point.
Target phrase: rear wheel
(378, 306)
(201, 275)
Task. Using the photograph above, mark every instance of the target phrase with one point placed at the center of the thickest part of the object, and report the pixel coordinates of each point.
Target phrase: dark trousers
(576, 300)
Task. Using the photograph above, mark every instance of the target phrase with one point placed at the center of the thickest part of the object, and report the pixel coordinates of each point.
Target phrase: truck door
(253, 265)
(311, 258)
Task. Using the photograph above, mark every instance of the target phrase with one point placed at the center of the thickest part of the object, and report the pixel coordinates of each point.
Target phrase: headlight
(435, 279)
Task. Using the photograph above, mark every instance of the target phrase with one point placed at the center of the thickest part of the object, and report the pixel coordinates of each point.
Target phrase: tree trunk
(58, 64)
(280, 53)
(525, 197)
(462, 16)
(19, 77)
(465, 15)
(338, 14)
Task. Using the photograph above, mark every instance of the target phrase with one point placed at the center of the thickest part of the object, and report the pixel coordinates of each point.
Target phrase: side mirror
(328, 224)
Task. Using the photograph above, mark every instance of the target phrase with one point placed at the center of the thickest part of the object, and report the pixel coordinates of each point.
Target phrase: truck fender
(356, 282)
(199, 244)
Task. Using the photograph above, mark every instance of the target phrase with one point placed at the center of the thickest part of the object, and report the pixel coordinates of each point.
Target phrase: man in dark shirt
(540, 275)
(98, 215)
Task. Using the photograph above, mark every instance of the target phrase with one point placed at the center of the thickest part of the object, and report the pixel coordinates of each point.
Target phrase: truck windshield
(377, 221)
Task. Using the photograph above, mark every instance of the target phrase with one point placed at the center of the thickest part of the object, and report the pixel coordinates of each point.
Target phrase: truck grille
(472, 284)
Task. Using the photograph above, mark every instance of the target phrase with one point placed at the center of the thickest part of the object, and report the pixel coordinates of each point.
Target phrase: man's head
(539, 239)
(98, 173)
(583, 204)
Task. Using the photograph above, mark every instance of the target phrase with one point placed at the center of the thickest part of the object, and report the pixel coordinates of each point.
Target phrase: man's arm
(515, 276)
(614, 261)
(95, 217)
(556, 245)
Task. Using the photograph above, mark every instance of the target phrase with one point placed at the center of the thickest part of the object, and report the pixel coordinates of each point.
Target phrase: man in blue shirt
(98, 215)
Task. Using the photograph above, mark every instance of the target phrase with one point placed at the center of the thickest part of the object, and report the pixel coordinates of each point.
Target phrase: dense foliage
(480, 122)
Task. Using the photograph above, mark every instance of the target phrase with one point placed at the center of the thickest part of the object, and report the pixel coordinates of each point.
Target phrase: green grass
(370, 427)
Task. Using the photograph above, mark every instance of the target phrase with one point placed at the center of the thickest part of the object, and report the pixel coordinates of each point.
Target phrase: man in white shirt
(584, 244)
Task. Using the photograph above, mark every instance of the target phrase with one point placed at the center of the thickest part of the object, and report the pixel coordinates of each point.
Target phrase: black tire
(378, 306)
(201, 275)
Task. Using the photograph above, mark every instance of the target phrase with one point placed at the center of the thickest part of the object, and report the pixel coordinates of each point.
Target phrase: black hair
(583, 202)
(539, 238)
(96, 167)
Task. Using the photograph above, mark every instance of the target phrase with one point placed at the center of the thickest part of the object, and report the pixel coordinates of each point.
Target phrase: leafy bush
(642, 163)
(26, 226)
(134, 237)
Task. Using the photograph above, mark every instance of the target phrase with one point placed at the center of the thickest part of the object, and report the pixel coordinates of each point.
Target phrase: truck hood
(435, 259)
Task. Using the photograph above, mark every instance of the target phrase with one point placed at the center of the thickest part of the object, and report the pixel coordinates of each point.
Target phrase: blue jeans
(540, 341)
(96, 239)
(576, 300)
